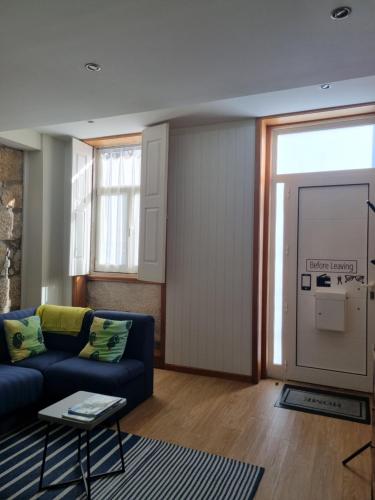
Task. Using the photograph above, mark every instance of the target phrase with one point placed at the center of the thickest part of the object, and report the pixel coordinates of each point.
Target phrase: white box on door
(330, 310)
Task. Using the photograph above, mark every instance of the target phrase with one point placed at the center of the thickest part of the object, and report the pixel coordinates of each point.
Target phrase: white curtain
(118, 179)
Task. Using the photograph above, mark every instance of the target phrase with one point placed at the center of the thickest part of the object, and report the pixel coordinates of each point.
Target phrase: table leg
(88, 478)
(44, 457)
(120, 446)
(356, 453)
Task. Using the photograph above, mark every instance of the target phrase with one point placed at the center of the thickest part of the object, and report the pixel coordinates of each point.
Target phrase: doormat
(327, 403)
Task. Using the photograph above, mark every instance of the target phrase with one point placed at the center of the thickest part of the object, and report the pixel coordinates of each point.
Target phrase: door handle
(370, 285)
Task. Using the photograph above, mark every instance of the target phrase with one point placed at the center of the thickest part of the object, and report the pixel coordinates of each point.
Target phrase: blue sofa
(59, 372)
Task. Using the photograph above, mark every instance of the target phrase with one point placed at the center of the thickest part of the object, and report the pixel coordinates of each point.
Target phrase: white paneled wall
(209, 247)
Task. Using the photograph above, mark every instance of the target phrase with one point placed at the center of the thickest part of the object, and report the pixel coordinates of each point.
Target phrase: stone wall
(135, 297)
(11, 189)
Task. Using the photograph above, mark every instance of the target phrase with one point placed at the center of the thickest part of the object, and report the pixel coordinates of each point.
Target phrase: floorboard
(301, 452)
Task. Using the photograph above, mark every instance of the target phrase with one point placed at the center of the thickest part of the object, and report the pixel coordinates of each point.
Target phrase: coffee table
(53, 415)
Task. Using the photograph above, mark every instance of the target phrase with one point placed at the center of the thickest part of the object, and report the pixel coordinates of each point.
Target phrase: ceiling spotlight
(93, 66)
(340, 13)
(325, 86)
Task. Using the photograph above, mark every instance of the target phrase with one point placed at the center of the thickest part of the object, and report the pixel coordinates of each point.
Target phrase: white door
(328, 320)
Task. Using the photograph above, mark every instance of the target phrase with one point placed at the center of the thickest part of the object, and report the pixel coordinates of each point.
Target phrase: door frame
(262, 213)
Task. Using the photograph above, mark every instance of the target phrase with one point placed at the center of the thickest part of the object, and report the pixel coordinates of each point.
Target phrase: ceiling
(169, 54)
(354, 91)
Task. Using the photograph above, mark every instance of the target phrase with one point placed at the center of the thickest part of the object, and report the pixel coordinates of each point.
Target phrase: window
(278, 275)
(117, 188)
(337, 147)
(118, 222)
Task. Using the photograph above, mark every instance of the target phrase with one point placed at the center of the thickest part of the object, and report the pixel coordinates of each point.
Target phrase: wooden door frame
(261, 228)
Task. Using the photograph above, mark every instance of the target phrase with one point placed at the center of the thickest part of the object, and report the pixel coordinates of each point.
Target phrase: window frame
(99, 144)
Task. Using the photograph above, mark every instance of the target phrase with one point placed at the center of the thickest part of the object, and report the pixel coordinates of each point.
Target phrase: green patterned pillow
(24, 337)
(107, 340)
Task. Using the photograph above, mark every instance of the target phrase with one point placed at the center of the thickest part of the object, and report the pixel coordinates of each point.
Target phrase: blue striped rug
(154, 469)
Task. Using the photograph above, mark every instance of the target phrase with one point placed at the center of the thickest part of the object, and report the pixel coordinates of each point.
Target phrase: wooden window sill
(118, 277)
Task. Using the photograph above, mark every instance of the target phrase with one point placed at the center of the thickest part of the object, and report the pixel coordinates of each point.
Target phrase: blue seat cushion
(43, 361)
(79, 374)
(19, 387)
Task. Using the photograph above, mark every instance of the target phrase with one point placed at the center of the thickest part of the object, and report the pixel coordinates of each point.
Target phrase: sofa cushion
(23, 313)
(140, 344)
(24, 337)
(79, 374)
(19, 387)
(107, 340)
(141, 336)
(45, 360)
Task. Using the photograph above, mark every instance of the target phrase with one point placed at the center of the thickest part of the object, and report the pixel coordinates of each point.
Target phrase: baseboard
(158, 358)
(209, 373)
(158, 362)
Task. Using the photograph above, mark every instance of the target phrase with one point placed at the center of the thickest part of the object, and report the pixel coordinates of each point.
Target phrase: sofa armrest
(140, 344)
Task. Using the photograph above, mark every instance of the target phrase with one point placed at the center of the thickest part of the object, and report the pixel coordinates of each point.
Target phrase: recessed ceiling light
(93, 66)
(325, 86)
(340, 13)
(90, 121)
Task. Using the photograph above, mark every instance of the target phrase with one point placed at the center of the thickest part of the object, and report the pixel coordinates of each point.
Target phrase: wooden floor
(301, 452)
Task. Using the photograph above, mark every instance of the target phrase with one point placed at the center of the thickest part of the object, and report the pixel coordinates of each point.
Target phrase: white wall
(44, 274)
(32, 235)
(53, 281)
(25, 139)
(209, 248)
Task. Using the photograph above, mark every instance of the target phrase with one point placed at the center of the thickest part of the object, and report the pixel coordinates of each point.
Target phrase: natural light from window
(278, 276)
(118, 180)
(326, 150)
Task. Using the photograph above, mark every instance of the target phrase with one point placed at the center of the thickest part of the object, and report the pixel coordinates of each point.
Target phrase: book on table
(92, 407)
(77, 418)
